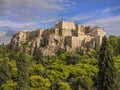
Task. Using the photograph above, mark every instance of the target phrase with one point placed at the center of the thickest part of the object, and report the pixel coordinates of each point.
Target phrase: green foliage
(81, 82)
(114, 44)
(59, 85)
(60, 51)
(22, 72)
(117, 63)
(107, 72)
(39, 83)
(9, 85)
(36, 69)
(118, 40)
(5, 73)
(64, 71)
(73, 59)
(13, 69)
(63, 86)
(54, 72)
(37, 54)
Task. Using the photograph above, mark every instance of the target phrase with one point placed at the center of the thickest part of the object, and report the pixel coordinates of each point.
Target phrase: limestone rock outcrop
(65, 35)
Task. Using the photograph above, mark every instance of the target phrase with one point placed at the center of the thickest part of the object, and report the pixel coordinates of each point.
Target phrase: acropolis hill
(65, 35)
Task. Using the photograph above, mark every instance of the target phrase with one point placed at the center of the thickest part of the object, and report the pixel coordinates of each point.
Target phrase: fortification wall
(65, 35)
(65, 25)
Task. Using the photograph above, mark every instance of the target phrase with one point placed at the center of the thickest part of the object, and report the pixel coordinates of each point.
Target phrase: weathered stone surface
(65, 35)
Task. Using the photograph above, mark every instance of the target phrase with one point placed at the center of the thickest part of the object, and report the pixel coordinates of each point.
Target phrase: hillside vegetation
(64, 71)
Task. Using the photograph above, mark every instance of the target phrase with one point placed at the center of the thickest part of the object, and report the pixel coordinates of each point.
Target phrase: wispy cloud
(110, 9)
(11, 24)
(106, 10)
(14, 13)
(80, 17)
(30, 9)
(49, 19)
(111, 25)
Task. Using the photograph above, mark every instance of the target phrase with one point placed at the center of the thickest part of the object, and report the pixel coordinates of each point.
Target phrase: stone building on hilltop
(65, 35)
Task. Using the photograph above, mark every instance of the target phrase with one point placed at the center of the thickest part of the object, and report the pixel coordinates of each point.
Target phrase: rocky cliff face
(65, 35)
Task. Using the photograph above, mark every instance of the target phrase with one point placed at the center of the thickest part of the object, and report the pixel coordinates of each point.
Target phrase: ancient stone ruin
(65, 35)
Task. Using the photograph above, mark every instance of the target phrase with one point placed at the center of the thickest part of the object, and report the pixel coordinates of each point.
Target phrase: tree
(22, 73)
(107, 72)
(39, 83)
(59, 85)
(9, 85)
(4, 50)
(37, 54)
(60, 51)
(81, 83)
(73, 59)
(118, 45)
(5, 73)
(113, 40)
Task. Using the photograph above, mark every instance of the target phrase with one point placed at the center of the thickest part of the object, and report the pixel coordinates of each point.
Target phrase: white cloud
(28, 4)
(81, 17)
(49, 20)
(106, 21)
(30, 9)
(107, 10)
(111, 25)
(13, 24)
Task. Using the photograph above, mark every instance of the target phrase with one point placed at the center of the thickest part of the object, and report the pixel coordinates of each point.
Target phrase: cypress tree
(37, 54)
(119, 45)
(107, 72)
(22, 75)
(4, 50)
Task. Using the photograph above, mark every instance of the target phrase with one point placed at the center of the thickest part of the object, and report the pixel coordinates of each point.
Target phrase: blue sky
(33, 14)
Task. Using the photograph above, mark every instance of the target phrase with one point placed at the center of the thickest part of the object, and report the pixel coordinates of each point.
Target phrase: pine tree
(22, 75)
(107, 72)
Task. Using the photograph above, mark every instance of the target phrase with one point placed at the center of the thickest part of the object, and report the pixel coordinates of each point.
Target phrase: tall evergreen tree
(5, 73)
(22, 75)
(107, 72)
(37, 54)
(4, 50)
(119, 45)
